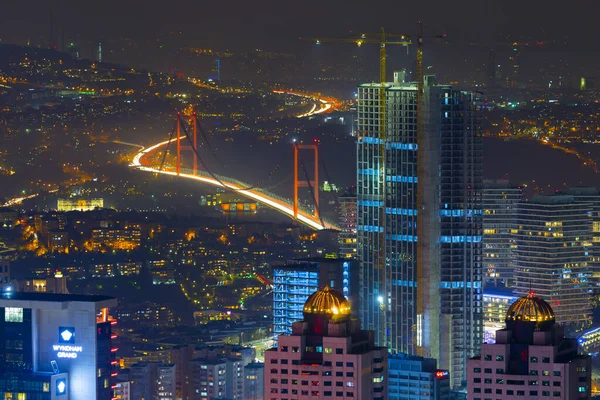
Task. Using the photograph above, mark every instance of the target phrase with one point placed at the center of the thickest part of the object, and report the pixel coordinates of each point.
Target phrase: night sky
(231, 23)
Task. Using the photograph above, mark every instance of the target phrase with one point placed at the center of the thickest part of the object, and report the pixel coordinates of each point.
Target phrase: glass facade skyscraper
(298, 279)
(499, 213)
(551, 256)
(449, 328)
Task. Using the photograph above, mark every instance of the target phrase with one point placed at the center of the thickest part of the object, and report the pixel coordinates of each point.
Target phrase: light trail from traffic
(326, 104)
(260, 196)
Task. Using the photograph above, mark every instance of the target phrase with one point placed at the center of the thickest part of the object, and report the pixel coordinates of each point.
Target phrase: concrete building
(347, 223)
(56, 284)
(167, 382)
(216, 378)
(499, 202)
(123, 390)
(254, 385)
(551, 254)
(531, 359)
(434, 310)
(56, 346)
(416, 378)
(143, 378)
(298, 279)
(234, 379)
(327, 355)
(5, 279)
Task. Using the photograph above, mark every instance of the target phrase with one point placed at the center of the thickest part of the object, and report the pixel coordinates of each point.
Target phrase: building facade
(215, 377)
(254, 385)
(416, 378)
(499, 202)
(530, 359)
(495, 306)
(327, 355)
(590, 195)
(298, 279)
(54, 345)
(551, 255)
(435, 312)
(347, 223)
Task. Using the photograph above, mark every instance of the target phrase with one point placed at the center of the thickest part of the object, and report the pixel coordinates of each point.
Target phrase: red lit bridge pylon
(193, 147)
(313, 185)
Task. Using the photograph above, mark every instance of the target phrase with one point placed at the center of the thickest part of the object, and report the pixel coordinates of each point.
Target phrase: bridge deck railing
(226, 179)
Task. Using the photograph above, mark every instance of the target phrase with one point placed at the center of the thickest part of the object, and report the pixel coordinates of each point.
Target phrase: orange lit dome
(530, 309)
(327, 301)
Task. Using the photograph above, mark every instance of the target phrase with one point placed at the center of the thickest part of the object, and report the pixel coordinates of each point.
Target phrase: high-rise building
(327, 355)
(56, 344)
(347, 223)
(530, 359)
(590, 195)
(298, 279)
(254, 385)
(499, 202)
(416, 378)
(551, 255)
(436, 312)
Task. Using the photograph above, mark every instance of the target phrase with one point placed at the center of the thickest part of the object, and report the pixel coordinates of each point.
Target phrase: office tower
(298, 279)
(531, 359)
(347, 223)
(499, 202)
(414, 377)
(327, 355)
(551, 255)
(56, 344)
(254, 381)
(591, 196)
(448, 325)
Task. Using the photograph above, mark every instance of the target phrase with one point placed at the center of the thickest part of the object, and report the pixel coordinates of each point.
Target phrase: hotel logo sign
(66, 340)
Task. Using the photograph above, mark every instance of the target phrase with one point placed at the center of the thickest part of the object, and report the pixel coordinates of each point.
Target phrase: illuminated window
(13, 314)
(21, 396)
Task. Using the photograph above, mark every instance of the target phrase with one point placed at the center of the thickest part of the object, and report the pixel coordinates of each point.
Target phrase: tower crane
(383, 39)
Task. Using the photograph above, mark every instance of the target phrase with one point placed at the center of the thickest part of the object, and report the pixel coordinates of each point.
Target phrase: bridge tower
(194, 147)
(313, 185)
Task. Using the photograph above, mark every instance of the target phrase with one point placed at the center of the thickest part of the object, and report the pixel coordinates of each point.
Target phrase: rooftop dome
(530, 309)
(327, 301)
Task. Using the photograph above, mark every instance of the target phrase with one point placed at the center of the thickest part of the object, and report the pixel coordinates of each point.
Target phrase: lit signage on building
(61, 387)
(67, 351)
(66, 337)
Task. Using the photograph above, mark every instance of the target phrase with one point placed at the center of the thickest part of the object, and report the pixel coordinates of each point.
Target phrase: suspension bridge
(310, 217)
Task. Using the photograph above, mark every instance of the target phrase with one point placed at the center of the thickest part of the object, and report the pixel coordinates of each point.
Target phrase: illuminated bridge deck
(268, 199)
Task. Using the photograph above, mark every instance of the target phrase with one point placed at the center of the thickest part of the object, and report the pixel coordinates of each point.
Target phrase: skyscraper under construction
(431, 307)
